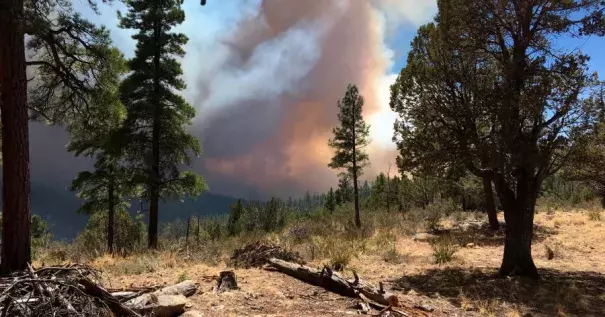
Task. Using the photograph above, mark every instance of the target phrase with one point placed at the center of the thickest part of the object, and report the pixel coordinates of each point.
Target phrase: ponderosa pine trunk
(519, 216)
(110, 215)
(155, 143)
(490, 204)
(357, 216)
(15, 139)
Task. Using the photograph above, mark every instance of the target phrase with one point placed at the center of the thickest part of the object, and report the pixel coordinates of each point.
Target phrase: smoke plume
(267, 93)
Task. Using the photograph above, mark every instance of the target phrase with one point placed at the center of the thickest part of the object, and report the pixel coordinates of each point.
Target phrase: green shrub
(436, 211)
(183, 277)
(129, 234)
(444, 249)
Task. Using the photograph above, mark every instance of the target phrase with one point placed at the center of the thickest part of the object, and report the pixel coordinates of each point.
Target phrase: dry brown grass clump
(258, 254)
(444, 249)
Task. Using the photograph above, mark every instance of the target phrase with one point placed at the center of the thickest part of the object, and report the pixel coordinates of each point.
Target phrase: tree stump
(226, 282)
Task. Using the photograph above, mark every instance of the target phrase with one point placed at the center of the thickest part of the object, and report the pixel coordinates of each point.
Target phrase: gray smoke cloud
(268, 98)
(265, 85)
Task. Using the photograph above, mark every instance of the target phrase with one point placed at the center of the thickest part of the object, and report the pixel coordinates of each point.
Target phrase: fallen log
(186, 288)
(334, 282)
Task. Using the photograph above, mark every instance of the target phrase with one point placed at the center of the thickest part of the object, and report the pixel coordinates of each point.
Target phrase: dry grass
(573, 282)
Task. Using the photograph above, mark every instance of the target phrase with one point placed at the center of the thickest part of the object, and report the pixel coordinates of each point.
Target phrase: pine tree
(154, 130)
(345, 188)
(235, 214)
(105, 188)
(349, 140)
(338, 197)
(67, 51)
(330, 203)
(379, 191)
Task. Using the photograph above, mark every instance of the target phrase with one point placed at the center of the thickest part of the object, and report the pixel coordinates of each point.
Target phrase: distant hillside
(58, 206)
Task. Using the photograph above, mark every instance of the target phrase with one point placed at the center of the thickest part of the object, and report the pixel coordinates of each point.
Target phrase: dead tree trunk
(15, 139)
(332, 281)
(226, 282)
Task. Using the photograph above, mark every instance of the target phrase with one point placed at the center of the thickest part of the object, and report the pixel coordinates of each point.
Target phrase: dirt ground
(572, 284)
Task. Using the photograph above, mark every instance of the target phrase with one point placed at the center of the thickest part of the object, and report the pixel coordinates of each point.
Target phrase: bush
(298, 234)
(183, 277)
(444, 249)
(594, 215)
(436, 211)
(391, 255)
(129, 234)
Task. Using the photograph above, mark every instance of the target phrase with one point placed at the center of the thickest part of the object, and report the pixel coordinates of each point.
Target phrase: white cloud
(411, 12)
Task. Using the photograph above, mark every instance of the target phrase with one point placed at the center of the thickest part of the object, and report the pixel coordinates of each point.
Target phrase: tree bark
(15, 139)
(357, 217)
(155, 144)
(110, 215)
(355, 190)
(187, 234)
(490, 204)
(519, 215)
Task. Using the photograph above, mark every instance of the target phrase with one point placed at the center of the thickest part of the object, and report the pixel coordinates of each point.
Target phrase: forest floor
(572, 284)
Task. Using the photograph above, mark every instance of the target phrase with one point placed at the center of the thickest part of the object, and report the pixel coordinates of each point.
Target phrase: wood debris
(75, 290)
(356, 288)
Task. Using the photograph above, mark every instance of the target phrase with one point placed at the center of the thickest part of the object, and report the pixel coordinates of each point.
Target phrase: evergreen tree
(379, 191)
(104, 189)
(366, 190)
(330, 203)
(488, 88)
(235, 214)
(345, 188)
(338, 197)
(349, 140)
(271, 215)
(66, 54)
(154, 132)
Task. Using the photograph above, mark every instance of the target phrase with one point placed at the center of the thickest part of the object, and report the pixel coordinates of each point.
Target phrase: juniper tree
(63, 54)
(154, 131)
(350, 138)
(484, 86)
(587, 161)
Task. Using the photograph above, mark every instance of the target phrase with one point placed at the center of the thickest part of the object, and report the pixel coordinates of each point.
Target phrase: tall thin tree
(154, 129)
(350, 139)
(16, 246)
(65, 53)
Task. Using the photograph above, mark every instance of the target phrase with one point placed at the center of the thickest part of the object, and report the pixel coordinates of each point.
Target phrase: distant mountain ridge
(58, 206)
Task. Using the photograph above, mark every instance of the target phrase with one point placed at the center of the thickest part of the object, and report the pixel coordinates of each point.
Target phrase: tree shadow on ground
(556, 293)
(482, 235)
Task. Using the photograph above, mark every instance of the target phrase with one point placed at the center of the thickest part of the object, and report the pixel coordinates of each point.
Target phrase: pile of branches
(71, 290)
(258, 254)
